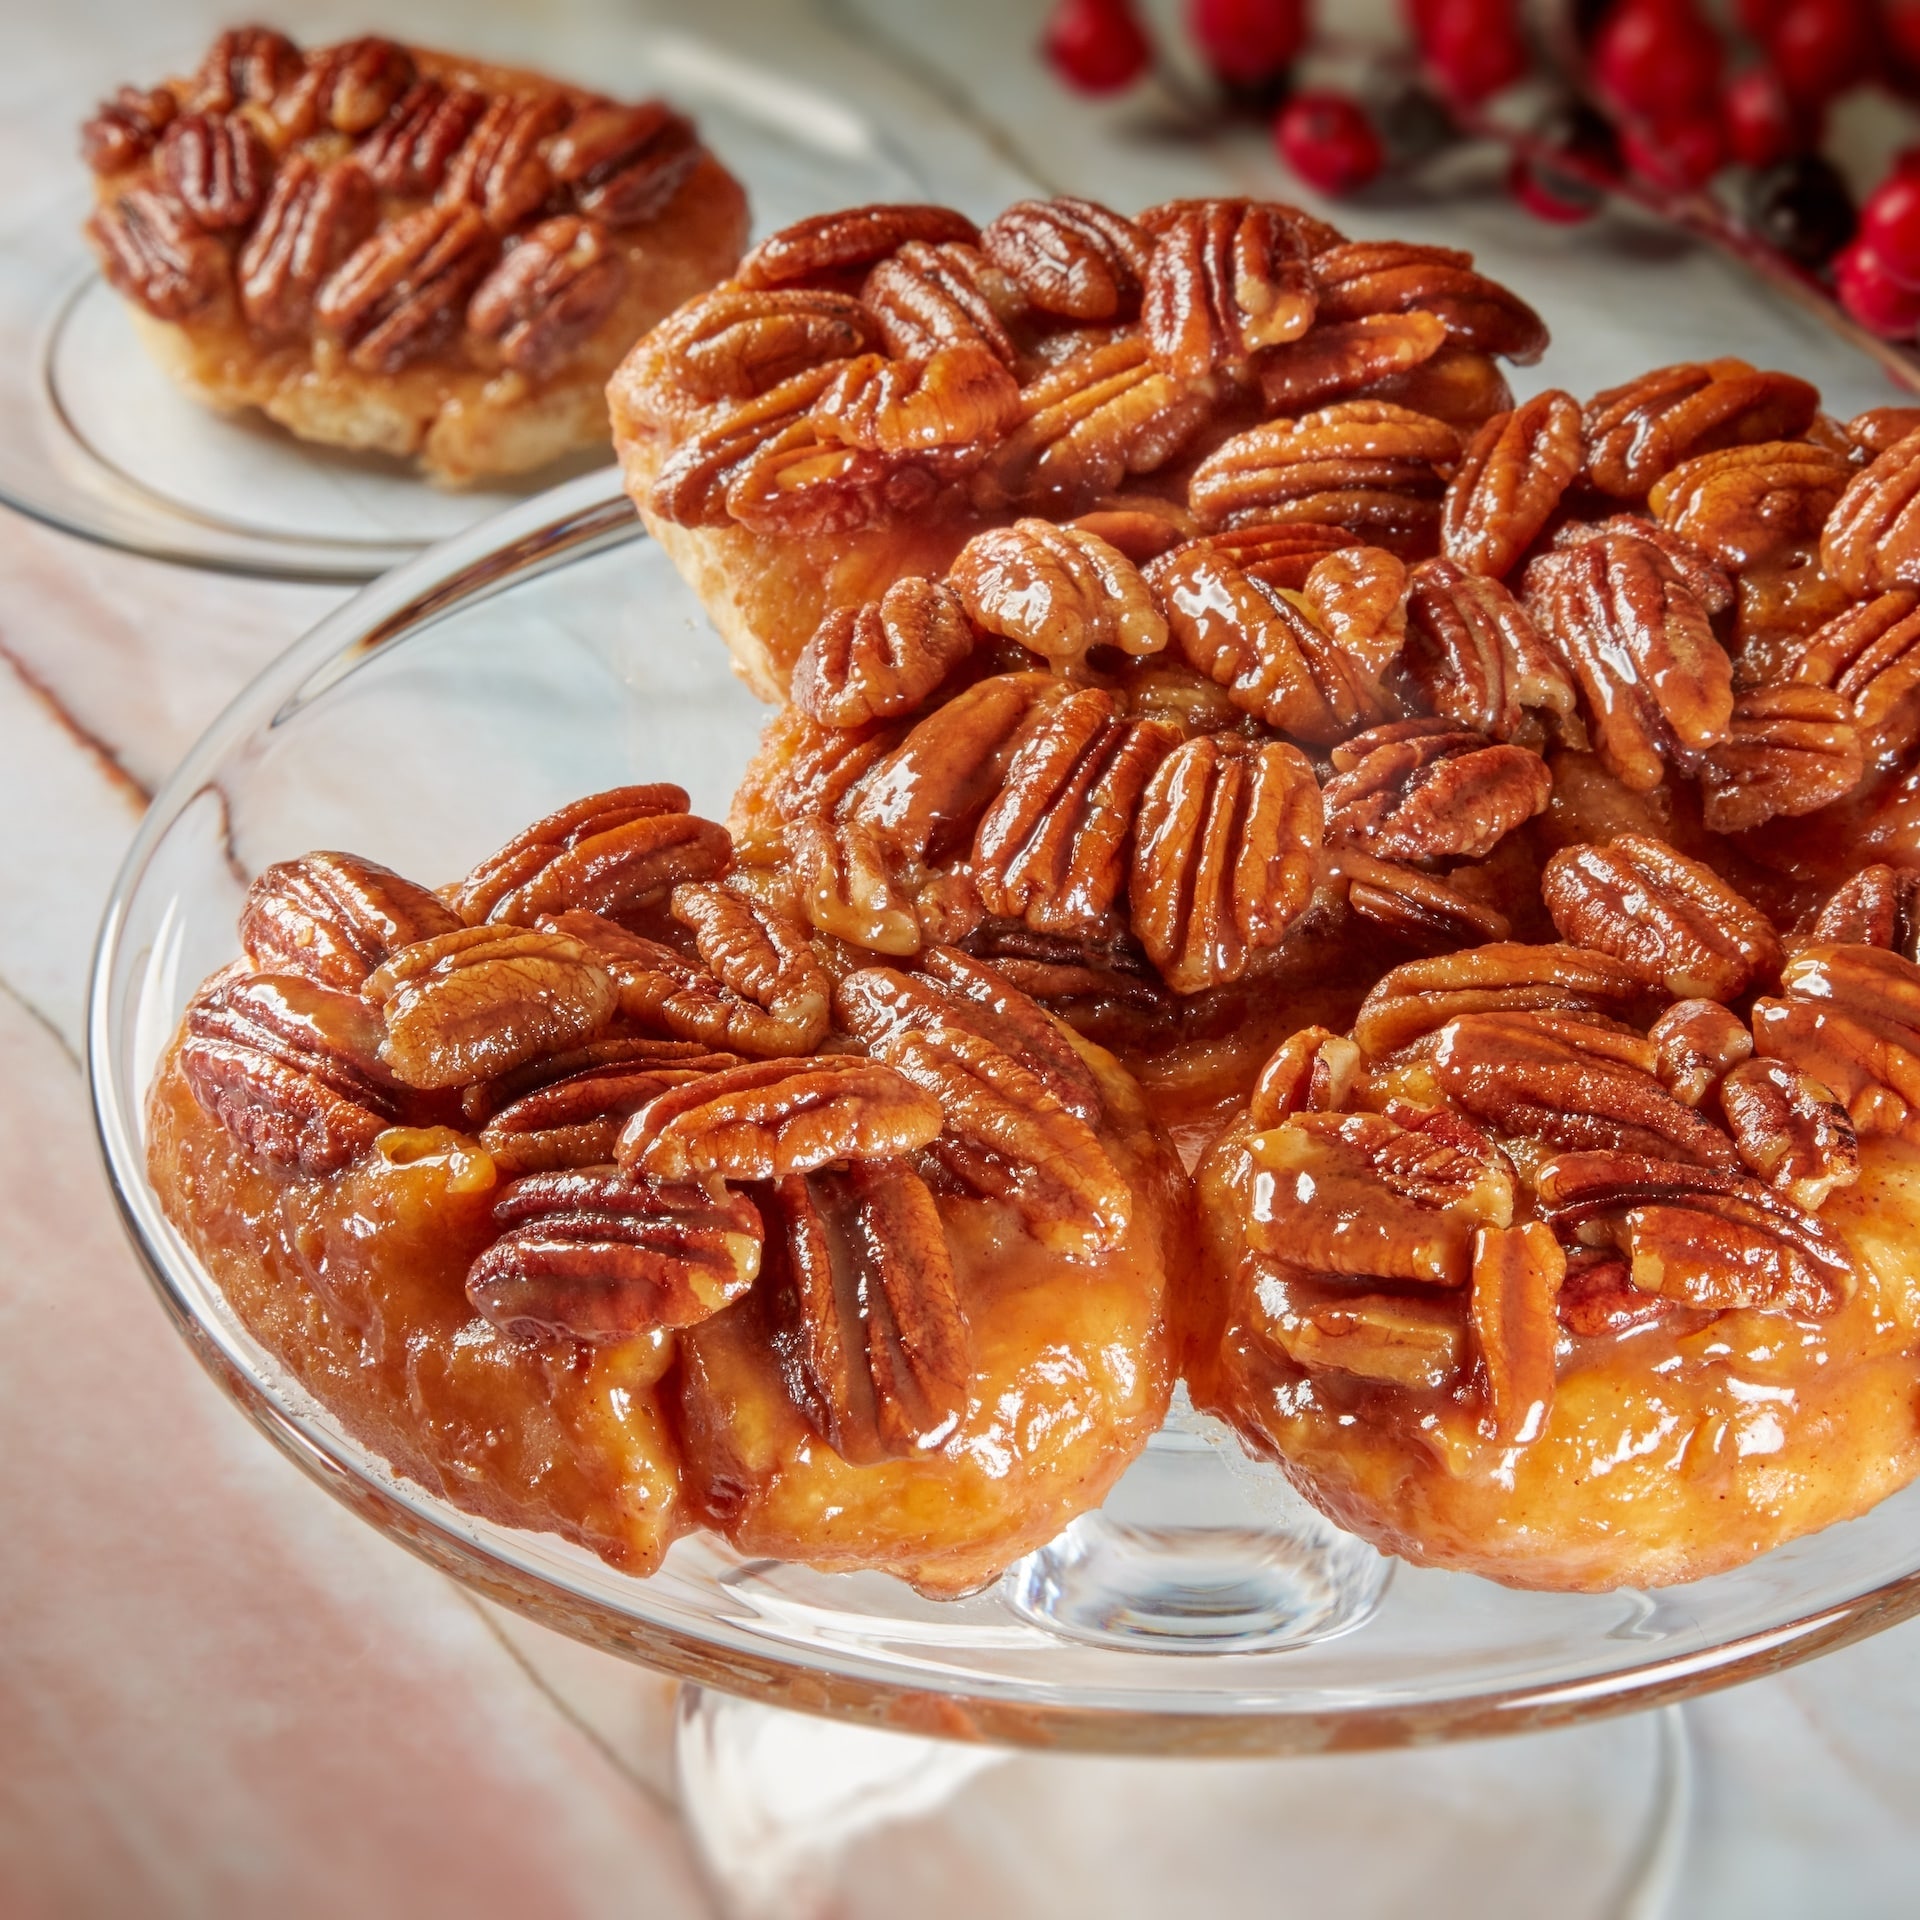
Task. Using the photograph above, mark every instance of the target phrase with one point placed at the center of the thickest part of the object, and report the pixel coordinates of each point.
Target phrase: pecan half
(802, 771)
(1874, 431)
(1638, 433)
(1871, 542)
(1743, 504)
(869, 1327)
(334, 918)
(1421, 909)
(846, 886)
(592, 1255)
(1699, 572)
(1671, 921)
(694, 481)
(1790, 1131)
(501, 170)
(1397, 1339)
(1336, 361)
(1509, 482)
(1708, 1238)
(1367, 465)
(350, 88)
(610, 854)
(153, 251)
(550, 293)
(1311, 1071)
(1393, 276)
(930, 296)
(1849, 1018)
(1225, 855)
(1870, 655)
(403, 293)
(1070, 257)
(573, 1119)
(476, 1002)
(1396, 1195)
(1878, 907)
(123, 130)
(955, 401)
(1789, 750)
(1282, 553)
(1422, 790)
(1517, 1274)
(1642, 647)
(872, 662)
(1598, 1299)
(1698, 1042)
(980, 996)
(290, 1069)
(1315, 235)
(1057, 591)
(216, 167)
(1421, 996)
(1225, 279)
(408, 153)
(829, 244)
(1052, 848)
(244, 66)
(1007, 1133)
(314, 219)
(1478, 660)
(1359, 596)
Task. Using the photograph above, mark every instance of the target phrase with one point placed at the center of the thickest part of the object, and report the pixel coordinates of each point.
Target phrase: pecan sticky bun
(396, 250)
(584, 1193)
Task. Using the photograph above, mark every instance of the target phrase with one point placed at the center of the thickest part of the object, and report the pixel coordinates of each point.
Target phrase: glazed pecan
(1359, 596)
(1789, 750)
(797, 481)
(501, 171)
(1282, 554)
(694, 481)
(1637, 434)
(1421, 996)
(1708, 1238)
(1226, 851)
(1745, 503)
(1671, 921)
(549, 294)
(869, 1327)
(1477, 659)
(1423, 790)
(1396, 1339)
(1315, 235)
(871, 662)
(1058, 591)
(1225, 279)
(1393, 276)
(1641, 645)
(245, 66)
(1509, 482)
(314, 219)
(349, 88)
(1517, 1274)
(980, 996)
(1790, 1131)
(153, 251)
(1878, 907)
(596, 1256)
(334, 917)
(1367, 465)
(1420, 909)
(1698, 1042)
(408, 153)
(123, 130)
(611, 853)
(829, 244)
(403, 293)
(1334, 362)
(1395, 1195)
(1701, 574)
(1087, 424)
(958, 400)
(1052, 848)
(802, 771)
(846, 886)
(574, 1118)
(1598, 1299)
(216, 167)
(1311, 1071)
(930, 296)
(1874, 431)
(765, 1119)
(1070, 257)
(1849, 1018)
(290, 1069)
(1463, 388)
(1007, 1133)
(1871, 542)
(1275, 661)
(476, 1002)
(628, 1054)
(1870, 656)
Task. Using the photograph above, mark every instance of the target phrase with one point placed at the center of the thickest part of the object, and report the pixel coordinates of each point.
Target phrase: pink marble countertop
(222, 1695)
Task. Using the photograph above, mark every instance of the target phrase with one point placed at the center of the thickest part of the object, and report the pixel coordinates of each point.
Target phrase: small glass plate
(554, 651)
(102, 443)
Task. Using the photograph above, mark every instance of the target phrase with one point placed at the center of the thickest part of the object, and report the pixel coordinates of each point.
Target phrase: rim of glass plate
(579, 518)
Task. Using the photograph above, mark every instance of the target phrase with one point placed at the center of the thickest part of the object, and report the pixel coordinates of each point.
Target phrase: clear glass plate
(102, 443)
(553, 651)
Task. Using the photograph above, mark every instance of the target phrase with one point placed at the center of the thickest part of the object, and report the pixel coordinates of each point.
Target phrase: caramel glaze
(1670, 1453)
(356, 1284)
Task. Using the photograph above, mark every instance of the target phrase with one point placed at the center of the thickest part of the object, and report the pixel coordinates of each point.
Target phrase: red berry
(1475, 48)
(1247, 42)
(1890, 226)
(1762, 124)
(1682, 156)
(1873, 296)
(1658, 59)
(1758, 16)
(1551, 196)
(1328, 141)
(1821, 47)
(1096, 45)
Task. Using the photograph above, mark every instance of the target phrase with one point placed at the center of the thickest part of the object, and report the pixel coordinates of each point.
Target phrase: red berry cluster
(1657, 98)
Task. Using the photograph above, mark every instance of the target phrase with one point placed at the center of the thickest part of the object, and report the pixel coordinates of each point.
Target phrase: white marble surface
(220, 1695)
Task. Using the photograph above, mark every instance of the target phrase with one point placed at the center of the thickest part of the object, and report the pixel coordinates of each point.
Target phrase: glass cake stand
(1204, 1610)
(102, 443)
